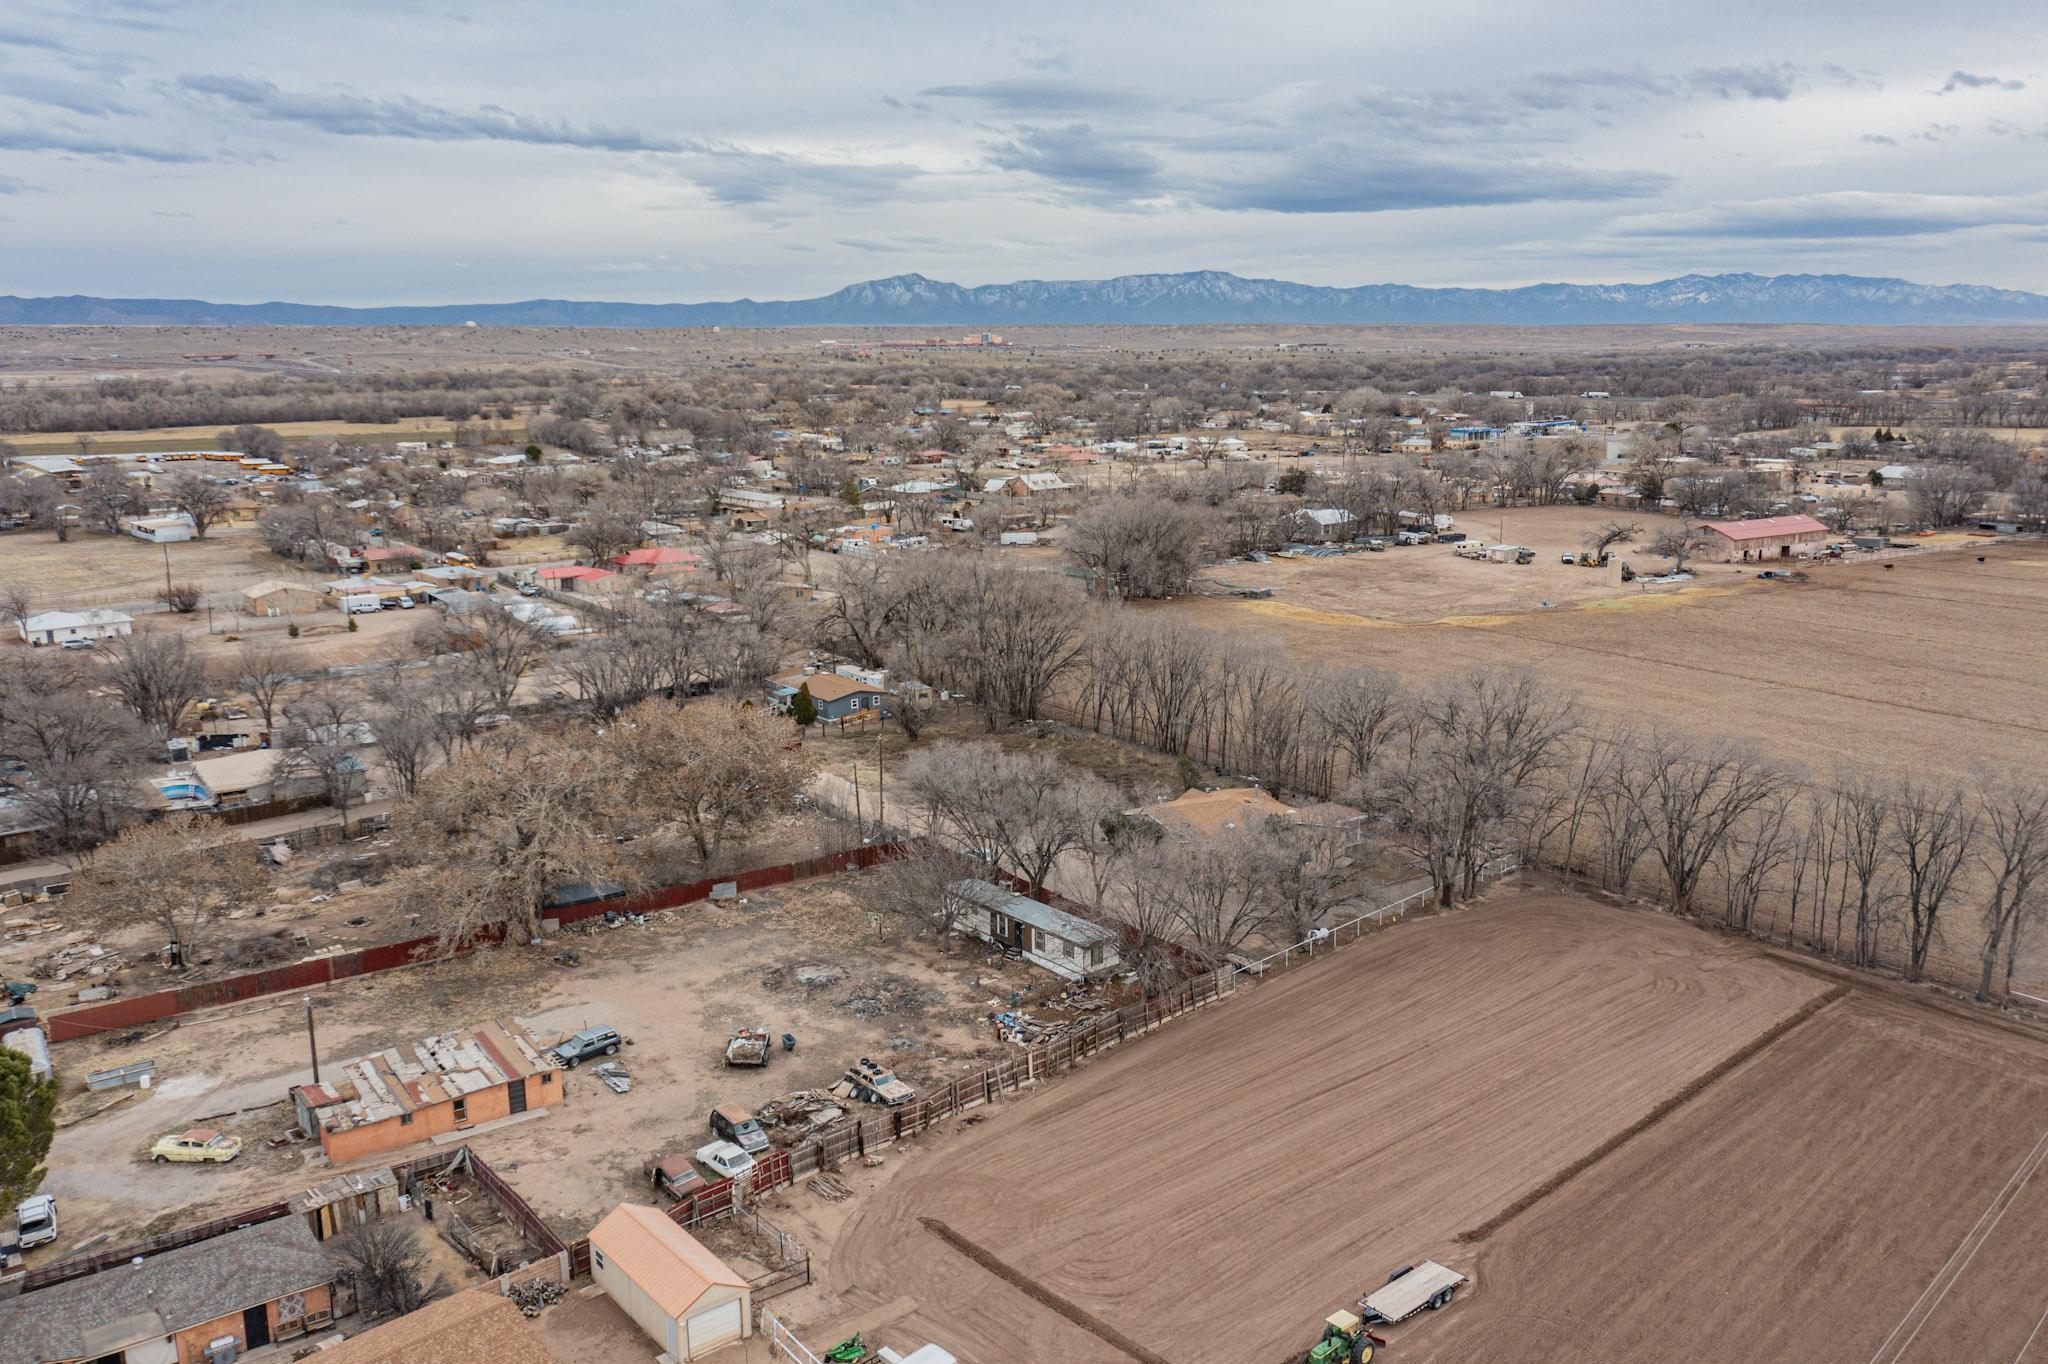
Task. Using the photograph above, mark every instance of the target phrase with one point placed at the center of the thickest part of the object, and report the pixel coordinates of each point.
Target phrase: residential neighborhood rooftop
(100, 1314)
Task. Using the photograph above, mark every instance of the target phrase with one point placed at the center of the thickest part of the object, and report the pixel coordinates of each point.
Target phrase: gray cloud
(729, 173)
(10, 185)
(49, 138)
(1879, 140)
(743, 177)
(1082, 164)
(403, 116)
(1970, 80)
(1033, 97)
(1842, 214)
(96, 99)
(1355, 178)
(1776, 81)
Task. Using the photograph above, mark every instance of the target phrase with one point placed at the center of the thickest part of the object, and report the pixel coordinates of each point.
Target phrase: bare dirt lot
(111, 570)
(1417, 584)
(675, 987)
(1925, 667)
(1212, 1193)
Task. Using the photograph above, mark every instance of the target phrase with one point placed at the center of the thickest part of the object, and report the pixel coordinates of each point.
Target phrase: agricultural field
(208, 437)
(1925, 665)
(1550, 1095)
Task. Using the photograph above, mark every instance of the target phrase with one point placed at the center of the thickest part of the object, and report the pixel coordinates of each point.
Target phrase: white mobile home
(1062, 943)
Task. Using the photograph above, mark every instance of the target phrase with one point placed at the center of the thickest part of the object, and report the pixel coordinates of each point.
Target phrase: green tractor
(1345, 1341)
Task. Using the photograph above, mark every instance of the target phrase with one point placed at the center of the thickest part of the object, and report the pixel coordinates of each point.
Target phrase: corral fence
(553, 1260)
(138, 1010)
(782, 1342)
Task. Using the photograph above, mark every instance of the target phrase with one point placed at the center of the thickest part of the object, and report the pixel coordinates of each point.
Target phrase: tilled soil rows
(1213, 1192)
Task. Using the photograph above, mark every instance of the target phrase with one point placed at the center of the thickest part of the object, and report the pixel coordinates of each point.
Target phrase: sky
(665, 150)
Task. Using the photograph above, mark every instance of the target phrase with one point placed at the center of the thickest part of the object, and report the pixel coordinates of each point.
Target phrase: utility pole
(167, 571)
(881, 789)
(312, 1042)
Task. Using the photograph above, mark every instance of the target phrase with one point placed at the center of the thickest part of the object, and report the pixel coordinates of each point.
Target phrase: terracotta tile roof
(1205, 814)
(472, 1327)
(667, 1263)
(661, 554)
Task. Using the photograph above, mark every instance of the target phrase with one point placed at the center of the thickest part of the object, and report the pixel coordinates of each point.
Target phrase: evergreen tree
(28, 1124)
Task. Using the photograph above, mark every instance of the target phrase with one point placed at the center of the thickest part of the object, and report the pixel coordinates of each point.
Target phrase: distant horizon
(1208, 297)
(623, 298)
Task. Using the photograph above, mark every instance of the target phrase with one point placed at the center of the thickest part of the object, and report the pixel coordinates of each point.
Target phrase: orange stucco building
(447, 1082)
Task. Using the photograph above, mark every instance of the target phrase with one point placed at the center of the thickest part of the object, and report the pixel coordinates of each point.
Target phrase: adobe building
(449, 1082)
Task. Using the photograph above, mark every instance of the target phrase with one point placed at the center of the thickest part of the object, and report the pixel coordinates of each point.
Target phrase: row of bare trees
(1866, 867)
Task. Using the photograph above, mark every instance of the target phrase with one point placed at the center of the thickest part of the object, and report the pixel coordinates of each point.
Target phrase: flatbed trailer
(1411, 1289)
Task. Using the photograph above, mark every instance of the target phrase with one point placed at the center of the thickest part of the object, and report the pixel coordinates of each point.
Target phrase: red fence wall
(140, 1009)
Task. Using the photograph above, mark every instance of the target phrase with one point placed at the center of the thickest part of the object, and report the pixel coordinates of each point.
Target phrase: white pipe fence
(782, 1342)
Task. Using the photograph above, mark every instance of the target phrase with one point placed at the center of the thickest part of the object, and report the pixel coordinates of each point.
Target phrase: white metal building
(684, 1297)
(55, 627)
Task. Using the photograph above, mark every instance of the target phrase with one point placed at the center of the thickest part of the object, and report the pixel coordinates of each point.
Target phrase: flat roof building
(445, 1082)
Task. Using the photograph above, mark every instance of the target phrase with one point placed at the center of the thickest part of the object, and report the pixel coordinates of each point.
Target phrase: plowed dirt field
(1211, 1193)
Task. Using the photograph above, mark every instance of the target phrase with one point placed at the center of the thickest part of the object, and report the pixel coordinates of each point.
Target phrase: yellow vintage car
(201, 1143)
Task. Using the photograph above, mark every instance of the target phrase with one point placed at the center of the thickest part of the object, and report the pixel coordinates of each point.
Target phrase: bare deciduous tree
(387, 1267)
(1933, 829)
(707, 766)
(157, 675)
(182, 874)
(2015, 856)
(196, 495)
(500, 827)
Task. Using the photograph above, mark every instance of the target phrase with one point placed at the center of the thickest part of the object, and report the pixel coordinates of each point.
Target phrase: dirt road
(1212, 1193)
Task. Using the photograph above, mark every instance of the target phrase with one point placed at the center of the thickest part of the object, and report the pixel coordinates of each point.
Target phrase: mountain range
(1205, 296)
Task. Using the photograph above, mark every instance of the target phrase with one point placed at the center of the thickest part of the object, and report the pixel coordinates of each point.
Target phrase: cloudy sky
(657, 150)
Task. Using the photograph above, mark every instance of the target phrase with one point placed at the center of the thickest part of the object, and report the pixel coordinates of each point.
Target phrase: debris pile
(534, 1296)
(795, 1117)
(824, 1186)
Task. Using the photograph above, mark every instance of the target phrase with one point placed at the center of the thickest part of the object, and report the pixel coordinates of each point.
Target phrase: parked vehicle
(725, 1160)
(360, 604)
(873, 1083)
(1410, 537)
(957, 522)
(676, 1176)
(747, 1047)
(201, 1144)
(586, 1044)
(528, 590)
(739, 1127)
(35, 1221)
(406, 603)
(76, 644)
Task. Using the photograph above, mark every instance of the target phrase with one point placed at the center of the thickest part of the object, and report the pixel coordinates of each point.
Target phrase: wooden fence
(138, 1010)
(78, 1268)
